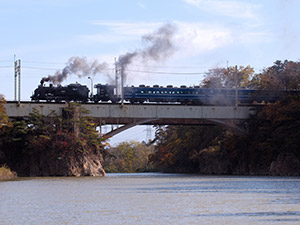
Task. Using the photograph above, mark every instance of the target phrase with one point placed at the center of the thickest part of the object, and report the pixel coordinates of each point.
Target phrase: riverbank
(6, 173)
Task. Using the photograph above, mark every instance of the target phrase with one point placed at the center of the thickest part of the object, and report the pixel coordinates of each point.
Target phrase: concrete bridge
(131, 115)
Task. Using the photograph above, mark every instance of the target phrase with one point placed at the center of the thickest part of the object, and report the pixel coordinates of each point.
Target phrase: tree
(3, 116)
(48, 145)
(228, 78)
(4, 125)
(272, 132)
(128, 157)
(272, 138)
(281, 76)
(177, 148)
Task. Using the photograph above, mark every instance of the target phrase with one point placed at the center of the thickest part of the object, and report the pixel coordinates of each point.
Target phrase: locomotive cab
(105, 93)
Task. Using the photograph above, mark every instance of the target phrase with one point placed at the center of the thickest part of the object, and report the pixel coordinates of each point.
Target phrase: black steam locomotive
(157, 94)
(72, 92)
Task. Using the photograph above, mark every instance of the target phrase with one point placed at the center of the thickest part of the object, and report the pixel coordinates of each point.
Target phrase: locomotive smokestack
(44, 79)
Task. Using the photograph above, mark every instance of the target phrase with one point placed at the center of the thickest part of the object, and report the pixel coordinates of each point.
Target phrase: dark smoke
(160, 47)
(79, 66)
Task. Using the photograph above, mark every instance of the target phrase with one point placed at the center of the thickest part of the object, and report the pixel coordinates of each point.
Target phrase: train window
(142, 92)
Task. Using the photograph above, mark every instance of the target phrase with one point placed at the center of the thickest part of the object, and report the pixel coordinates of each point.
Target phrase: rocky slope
(70, 164)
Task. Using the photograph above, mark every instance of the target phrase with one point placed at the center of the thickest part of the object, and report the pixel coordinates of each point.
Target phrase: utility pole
(148, 133)
(17, 80)
(236, 86)
(116, 74)
(92, 94)
(122, 86)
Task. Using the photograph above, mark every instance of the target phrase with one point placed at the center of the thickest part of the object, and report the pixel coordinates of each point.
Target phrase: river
(151, 198)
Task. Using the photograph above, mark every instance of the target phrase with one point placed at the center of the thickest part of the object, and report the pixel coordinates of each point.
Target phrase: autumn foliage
(128, 157)
(270, 145)
(34, 145)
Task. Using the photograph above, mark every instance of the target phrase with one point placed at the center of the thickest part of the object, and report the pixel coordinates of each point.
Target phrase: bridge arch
(233, 124)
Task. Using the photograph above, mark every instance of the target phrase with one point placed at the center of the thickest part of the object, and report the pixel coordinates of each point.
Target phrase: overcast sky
(208, 33)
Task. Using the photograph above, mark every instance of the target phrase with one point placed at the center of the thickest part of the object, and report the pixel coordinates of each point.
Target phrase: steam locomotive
(72, 92)
(157, 94)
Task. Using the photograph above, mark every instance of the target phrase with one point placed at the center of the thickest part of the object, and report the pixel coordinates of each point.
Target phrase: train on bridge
(195, 95)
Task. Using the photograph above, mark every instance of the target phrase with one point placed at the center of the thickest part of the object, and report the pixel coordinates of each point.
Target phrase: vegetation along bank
(266, 144)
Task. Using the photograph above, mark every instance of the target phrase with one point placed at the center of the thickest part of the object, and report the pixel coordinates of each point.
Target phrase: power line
(110, 69)
(53, 63)
(172, 67)
(38, 68)
(171, 73)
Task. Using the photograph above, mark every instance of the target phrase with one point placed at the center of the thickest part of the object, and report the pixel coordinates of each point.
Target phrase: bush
(128, 158)
(6, 173)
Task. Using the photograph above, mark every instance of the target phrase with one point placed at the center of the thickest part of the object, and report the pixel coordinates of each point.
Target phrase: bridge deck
(140, 114)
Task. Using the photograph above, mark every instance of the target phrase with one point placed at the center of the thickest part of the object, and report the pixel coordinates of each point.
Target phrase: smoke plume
(79, 66)
(159, 47)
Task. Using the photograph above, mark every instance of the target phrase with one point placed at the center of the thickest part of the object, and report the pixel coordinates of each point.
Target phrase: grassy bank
(6, 173)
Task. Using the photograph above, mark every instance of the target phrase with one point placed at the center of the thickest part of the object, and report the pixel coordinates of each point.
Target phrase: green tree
(128, 157)
(178, 147)
(50, 141)
(273, 131)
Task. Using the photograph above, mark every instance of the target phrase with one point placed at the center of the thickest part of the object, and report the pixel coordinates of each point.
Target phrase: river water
(151, 198)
